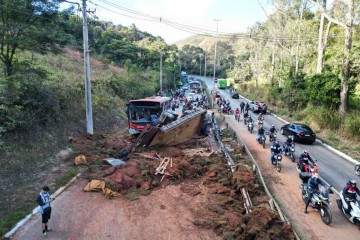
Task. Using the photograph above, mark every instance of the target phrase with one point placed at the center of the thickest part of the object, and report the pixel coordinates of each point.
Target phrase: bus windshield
(142, 112)
(195, 86)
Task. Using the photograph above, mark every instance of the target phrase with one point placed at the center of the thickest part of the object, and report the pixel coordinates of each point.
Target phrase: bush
(325, 117)
(352, 125)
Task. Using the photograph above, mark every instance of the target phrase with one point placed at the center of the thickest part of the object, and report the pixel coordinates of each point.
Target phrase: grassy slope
(29, 158)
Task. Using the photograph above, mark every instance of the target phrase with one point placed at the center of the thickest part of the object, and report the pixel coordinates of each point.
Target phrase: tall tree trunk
(345, 72)
(320, 58)
(272, 65)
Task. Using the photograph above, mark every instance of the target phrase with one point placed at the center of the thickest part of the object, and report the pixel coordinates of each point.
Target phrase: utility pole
(89, 119)
(160, 71)
(205, 66)
(200, 63)
(217, 25)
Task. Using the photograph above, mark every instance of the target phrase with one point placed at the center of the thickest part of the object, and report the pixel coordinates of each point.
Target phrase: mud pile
(223, 209)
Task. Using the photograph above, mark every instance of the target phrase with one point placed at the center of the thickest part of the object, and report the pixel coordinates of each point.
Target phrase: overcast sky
(235, 15)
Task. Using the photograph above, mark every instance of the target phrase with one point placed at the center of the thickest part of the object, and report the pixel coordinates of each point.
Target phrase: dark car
(235, 95)
(301, 132)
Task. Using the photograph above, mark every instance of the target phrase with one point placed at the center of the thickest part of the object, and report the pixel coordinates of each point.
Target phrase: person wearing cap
(44, 200)
(349, 193)
(312, 187)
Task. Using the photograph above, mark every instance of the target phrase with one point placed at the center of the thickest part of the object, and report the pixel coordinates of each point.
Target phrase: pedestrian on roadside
(242, 106)
(44, 200)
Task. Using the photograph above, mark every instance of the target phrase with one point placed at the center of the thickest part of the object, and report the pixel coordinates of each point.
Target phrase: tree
(347, 23)
(27, 24)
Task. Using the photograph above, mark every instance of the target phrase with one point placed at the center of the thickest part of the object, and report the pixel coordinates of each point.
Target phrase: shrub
(325, 117)
(352, 125)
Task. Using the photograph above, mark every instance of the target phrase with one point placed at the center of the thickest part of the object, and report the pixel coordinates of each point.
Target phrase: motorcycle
(354, 215)
(290, 151)
(272, 136)
(262, 140)
(237, 117)
(307, 168)
(227, 110)
(277, 161)
(320, 201)
(246, 119)
(357, 169)
(250, 127)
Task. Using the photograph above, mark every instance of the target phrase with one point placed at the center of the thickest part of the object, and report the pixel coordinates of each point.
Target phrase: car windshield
(304, 128)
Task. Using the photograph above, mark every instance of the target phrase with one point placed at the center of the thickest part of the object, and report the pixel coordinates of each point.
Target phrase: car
(235, 95)
(258, 107)
(300, 132)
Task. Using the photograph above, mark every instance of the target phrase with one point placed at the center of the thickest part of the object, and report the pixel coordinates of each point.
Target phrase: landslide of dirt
(223, 208)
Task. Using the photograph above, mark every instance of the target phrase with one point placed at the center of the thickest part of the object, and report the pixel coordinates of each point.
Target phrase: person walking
(44, 200)
(242, 106)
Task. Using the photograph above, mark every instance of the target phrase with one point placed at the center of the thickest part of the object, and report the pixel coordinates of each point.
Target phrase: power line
(202, 31)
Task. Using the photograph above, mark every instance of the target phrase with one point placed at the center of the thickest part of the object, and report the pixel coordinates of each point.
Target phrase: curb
(339, 153)
(37, 209)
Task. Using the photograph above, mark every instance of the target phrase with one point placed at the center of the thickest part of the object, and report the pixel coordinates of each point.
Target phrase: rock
(64, 154)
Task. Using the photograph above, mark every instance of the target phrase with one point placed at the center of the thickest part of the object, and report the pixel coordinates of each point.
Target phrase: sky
(234, 15)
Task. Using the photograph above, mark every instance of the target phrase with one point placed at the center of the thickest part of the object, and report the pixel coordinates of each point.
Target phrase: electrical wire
(203, 31)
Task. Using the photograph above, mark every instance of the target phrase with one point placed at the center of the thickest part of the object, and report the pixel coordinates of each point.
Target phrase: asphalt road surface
(332, 168)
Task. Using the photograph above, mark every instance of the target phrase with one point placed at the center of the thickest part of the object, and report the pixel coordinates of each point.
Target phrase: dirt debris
(208, 176)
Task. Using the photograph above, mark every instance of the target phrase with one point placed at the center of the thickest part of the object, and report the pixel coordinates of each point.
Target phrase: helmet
(260, 114)
(315, 175)
(352, 182)
(289, 137)
(273, 125)
(277, 142)
(237, 108)
(306, 152)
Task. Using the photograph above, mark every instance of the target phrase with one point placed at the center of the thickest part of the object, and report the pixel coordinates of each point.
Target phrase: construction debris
(203, 152)
(81, 159)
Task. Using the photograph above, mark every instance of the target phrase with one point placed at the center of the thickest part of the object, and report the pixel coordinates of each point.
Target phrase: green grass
(9, 222)
(63, 180)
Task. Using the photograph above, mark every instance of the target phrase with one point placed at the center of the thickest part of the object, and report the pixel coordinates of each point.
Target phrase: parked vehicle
(300, 132)
(319, 201)
(354, 215)
(258, 107)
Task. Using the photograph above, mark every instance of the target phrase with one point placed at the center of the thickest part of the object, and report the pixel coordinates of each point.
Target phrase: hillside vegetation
(281, 61)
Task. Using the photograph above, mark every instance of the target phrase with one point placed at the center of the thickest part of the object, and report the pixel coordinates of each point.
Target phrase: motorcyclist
(247, 107)
(349, 193)
(261, 133)
(237, 112)
(260, 117)
(246, 117)
(287, 144)
(272, 130)
(304, 160)
(275, 149)
(312, 187)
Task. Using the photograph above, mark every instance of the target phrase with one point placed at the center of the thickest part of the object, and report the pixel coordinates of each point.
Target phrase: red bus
(195, 87)
(142, 112)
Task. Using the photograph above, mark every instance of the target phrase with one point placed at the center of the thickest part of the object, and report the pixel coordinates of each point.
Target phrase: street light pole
(217, 25)
(160, 71)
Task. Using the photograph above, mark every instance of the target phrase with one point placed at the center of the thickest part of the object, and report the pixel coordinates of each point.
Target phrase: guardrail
(232, 167)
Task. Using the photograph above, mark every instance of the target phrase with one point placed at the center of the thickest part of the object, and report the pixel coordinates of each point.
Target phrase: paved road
(332, 168)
